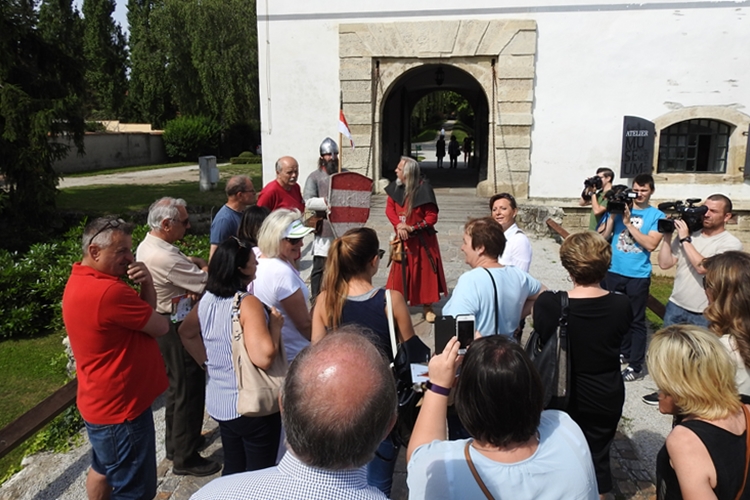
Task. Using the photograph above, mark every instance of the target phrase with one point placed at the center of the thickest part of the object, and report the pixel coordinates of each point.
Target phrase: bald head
(287, 172)
(338, 401)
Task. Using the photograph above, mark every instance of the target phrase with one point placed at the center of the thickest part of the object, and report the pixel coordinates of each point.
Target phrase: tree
(41, 87)
(149, 96)
(105, 50)
(212, 61)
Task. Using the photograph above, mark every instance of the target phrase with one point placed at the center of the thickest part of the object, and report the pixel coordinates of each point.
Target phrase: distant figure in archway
(440, 151)
(467, 148)
(454, 151)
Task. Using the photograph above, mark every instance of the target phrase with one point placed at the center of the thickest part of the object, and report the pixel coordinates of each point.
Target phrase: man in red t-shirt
(120, 371)
(283, 192)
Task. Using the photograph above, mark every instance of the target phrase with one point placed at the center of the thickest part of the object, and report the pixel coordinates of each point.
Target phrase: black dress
(727, 452)
(595, 330)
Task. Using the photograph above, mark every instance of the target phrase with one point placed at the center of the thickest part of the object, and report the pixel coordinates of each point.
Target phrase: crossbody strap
(391, 329)
(497, 306)
(564, 306)
(747, 451)
(474, 473)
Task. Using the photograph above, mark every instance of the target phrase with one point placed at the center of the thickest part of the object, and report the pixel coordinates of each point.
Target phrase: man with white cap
(315, 194)
(278, 282)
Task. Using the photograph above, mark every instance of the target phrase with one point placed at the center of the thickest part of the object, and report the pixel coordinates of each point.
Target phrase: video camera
(594, 182)
(692, 215)
(618, 198)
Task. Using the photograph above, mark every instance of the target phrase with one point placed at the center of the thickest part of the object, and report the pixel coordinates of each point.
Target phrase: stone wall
(113, 150)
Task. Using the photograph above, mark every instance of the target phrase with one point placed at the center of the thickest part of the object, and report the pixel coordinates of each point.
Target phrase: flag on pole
(344, 127)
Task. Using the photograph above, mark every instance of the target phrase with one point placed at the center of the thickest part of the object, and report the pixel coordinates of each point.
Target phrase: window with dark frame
(694, 146)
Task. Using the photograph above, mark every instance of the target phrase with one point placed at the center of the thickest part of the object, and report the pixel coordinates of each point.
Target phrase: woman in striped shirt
(250, 443)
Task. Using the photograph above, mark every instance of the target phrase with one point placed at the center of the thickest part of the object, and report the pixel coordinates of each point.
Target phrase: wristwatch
(688, 239)
(438, 389)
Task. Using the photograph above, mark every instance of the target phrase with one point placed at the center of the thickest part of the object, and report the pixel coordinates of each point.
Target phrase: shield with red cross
(349, 201)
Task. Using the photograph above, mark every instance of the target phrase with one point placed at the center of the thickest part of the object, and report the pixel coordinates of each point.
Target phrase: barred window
(694, 146)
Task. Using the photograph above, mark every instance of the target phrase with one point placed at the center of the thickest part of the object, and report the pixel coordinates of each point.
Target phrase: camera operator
(688, 299)
(594, 195)
(634, 237)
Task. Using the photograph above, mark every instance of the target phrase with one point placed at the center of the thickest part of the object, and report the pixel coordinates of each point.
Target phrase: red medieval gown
(425, 279)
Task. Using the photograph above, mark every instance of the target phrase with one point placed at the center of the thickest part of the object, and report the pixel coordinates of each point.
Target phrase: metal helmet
(328, 147)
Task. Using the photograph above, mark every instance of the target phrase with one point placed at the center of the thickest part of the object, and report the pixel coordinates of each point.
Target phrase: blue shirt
(630, 259)
(292, 479)
(225, 224)
(474, 295)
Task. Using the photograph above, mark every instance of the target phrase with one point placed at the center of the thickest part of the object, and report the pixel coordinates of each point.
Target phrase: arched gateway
(491, 61)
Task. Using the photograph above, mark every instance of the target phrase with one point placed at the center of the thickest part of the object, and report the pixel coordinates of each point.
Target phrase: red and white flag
(344, 127)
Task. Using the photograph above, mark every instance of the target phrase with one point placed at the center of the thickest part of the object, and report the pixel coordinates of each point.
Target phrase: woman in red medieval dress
(413, 211)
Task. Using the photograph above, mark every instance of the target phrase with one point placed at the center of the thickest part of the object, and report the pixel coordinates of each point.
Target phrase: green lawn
(122, 199)
(32, 370)
(661, 289)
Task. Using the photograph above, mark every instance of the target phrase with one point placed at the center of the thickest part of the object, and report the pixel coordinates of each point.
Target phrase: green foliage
(188, 137)
(106, 54)
(149, 96)
(31, 286)
(211, 52)
(41, 85)
(95, 127)
(426, 135)
(246, 158)
(59, 434)
(661, 289)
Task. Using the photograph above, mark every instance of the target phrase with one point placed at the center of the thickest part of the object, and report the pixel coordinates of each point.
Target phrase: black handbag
(405, 353)
(552, 360)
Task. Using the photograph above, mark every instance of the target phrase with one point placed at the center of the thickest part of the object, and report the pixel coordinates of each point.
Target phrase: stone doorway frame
(373, 56)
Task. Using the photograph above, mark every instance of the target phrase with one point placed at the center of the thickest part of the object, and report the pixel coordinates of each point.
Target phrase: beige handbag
(258, 390)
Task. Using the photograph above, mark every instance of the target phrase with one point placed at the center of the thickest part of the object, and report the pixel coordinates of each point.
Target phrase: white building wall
(596, 62)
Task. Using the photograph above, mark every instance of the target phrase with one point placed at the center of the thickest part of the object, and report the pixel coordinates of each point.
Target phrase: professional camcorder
(592, 184)
(618, 198)
(692, 215)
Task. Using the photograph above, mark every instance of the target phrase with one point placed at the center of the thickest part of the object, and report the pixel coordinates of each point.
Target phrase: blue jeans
(126, 455)
(634, 342)
(675, 314)
(380, 469)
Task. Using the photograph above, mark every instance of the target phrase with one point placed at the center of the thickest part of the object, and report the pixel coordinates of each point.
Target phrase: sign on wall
(638, 137)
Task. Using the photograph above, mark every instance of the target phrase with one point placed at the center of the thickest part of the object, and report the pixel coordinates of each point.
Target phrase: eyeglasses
(381, 253)
(293, 241)
(111, 224)
(184, 222)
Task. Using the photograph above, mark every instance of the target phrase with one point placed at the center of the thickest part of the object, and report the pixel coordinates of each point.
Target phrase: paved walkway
(642, 429)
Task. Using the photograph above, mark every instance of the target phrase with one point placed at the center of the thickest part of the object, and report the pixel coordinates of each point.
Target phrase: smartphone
(464, 331)
(445, 328)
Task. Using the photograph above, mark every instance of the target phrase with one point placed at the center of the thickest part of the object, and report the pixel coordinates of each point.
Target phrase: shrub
(188, 137)
(245, 158)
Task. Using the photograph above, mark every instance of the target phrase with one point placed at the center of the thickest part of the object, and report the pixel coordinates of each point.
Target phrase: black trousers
(250, 443)
(599, 431)
(185, 399)
(316, 276)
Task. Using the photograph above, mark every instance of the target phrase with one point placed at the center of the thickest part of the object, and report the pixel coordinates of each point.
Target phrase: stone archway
(499, 55)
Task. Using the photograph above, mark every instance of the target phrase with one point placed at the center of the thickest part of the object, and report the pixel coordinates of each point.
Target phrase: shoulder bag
(552, 360)
(258, 389)
(409, 399)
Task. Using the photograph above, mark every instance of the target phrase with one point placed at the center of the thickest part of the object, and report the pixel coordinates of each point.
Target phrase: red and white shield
(349, 201)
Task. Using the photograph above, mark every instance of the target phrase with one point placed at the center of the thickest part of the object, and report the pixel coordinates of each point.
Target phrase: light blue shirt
(560, 469)
(474, 295)
(291, 479)
(630, 259)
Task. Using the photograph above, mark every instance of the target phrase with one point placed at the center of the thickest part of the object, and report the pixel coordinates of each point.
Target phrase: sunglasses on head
(381, 253)
(111, 224)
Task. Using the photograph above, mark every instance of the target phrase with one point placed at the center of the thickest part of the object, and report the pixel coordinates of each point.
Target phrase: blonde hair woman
(704, 455)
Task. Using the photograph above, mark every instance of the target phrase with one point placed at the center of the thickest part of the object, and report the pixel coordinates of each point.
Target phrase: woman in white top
(278, 282)
(727, 284)
(517, 248)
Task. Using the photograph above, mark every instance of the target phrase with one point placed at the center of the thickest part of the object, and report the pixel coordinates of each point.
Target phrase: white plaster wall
(593, 67)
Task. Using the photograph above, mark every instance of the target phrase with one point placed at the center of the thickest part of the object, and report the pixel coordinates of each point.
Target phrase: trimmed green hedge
(188, 137)
(246, 158)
